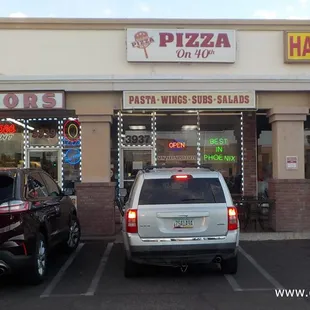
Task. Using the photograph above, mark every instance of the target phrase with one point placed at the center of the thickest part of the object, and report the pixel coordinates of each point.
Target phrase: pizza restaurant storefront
(252, 124)
(233, 132)
(36, 131)
(184, 128)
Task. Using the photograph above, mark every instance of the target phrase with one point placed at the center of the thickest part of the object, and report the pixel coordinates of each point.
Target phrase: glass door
(47, 160)
(132, 160)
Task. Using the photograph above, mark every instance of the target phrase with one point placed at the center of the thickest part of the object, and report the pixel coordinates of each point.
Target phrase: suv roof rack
(152, 167)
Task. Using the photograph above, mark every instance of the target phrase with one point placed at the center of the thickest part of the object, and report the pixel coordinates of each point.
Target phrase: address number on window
(138, 139)
(44, 133)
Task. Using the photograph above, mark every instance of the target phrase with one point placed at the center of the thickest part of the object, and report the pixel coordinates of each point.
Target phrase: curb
(257, 236)
(265, 236)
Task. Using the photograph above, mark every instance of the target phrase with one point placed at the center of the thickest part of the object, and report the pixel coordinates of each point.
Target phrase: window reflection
(264, 153)
(307, 147)
(43, 133)
(178, 137)
(71, 141)
(176, 142)
(46, 160)
(137, 129)
(221, 148)
(114, 150)
(11, 143)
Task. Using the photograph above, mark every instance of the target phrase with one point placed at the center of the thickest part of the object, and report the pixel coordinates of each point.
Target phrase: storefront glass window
(264, 153)
(114, 149)
(179, 139)
(137, 142)
(43, 132)
(221, 148)
(176, 142)
(71, 141)
(307, 147)
(137, 129)
(11, 143)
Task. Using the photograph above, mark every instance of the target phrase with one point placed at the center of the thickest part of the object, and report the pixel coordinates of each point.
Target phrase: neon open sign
(177, 145)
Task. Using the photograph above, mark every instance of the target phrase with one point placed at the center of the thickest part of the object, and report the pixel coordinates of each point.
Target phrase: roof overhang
(154, 83)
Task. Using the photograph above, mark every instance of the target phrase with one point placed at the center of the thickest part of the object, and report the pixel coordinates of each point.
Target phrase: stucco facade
(87, 59)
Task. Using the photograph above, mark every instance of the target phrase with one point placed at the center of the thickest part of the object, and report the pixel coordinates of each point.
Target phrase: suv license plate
(183, 224)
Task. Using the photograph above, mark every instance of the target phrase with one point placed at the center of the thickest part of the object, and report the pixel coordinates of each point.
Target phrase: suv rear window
(169, 191)
(6, 187)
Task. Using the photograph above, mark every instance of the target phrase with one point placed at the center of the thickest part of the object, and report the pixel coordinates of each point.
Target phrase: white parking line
(263, 272)
(65, 295)
(47, 292)
(233, 283)
(95, 281)
(258, 289)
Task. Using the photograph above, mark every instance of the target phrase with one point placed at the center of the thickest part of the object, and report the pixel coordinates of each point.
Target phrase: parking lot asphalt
(92, 278)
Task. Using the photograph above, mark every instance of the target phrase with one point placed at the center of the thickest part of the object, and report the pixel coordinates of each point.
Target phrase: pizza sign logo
(142, 41)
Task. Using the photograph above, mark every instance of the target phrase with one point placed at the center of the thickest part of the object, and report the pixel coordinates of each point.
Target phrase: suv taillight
(232, 218)
(14, 206)
(132, 221)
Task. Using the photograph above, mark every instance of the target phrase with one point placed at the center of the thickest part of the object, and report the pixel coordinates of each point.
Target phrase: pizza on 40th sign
(181, 45)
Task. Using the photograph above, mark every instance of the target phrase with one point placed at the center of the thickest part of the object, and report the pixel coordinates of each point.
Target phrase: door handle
(57, 209)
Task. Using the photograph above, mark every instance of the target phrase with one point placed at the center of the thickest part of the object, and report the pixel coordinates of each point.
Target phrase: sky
(206, 9)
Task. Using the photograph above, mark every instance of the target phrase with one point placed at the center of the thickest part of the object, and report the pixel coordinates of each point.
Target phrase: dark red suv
(35, 216)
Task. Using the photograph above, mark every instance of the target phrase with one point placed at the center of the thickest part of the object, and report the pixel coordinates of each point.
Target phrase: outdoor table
(254, 209)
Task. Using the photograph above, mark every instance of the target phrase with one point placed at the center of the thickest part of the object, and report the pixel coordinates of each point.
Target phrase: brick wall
(250, 153)
(292, 207)
(96, 210)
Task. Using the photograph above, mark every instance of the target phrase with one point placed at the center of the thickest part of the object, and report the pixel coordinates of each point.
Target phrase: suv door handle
(57, 209)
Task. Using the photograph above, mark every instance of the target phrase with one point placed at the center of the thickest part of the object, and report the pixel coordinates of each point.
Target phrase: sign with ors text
(181, 45)
(233, 100)
(32, 100)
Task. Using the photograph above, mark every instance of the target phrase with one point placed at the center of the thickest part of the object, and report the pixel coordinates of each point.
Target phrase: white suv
(180, 216)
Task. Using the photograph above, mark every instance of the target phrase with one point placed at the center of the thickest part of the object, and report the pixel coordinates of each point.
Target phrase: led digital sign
(68, 143)
(72, 130)
(220, 158)
(218, 141)
(7, 131)
(219, 155)
(72, 141)
(72, 156)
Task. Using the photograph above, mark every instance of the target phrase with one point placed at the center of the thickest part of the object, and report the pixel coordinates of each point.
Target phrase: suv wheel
(131, 269)
(74, 236)
(37, 271)
(230, 266)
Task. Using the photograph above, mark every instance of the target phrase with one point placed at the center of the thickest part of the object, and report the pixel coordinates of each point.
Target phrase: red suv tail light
(232, 218)
(132, 221)
(14, 206)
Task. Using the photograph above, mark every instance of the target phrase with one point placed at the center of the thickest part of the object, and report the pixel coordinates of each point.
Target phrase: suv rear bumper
(187, 254)
(11, 263)
(181, 252)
